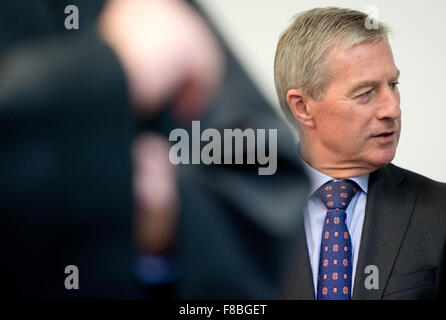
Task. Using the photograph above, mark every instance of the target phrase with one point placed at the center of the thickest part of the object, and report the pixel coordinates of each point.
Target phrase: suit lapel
(388, 211)
(299, 284)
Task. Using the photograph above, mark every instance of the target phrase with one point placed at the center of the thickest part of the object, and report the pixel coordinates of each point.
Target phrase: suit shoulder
(417, 181)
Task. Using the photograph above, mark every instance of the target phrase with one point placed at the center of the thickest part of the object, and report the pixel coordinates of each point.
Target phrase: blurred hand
(167, 52)
(156, 199)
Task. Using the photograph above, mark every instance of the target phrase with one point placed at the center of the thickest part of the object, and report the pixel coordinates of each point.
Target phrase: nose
(389, 104)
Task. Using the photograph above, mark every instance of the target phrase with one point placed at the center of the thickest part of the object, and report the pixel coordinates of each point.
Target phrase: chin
(382, 157)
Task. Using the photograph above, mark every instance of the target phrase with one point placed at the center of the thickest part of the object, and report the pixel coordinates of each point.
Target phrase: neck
(333, 166)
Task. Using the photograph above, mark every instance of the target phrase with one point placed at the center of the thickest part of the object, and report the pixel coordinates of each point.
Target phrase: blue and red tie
(335, 260)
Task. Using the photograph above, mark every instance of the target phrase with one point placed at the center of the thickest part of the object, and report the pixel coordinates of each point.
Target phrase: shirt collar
(318, 179)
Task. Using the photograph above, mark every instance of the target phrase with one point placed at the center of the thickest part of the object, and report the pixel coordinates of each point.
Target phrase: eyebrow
(370, 83)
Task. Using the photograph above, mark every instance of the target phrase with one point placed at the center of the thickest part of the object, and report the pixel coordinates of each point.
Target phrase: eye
(366, 96)
(394, 85)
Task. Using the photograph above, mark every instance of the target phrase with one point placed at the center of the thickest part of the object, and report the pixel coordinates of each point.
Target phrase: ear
(298, 104)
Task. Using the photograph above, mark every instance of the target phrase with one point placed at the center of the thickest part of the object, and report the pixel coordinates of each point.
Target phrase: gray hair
(301, 59)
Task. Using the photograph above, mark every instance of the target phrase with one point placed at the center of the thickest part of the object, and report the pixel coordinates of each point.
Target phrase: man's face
(359, 121)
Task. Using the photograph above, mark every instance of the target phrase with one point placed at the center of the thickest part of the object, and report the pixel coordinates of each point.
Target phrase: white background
(252, 29)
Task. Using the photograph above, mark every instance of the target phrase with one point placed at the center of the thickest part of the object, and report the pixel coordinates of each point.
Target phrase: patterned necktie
(335, 260)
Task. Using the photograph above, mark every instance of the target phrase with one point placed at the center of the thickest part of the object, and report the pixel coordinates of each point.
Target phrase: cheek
(354, 137)
(330, 116)
(342, 134)
(343, 125)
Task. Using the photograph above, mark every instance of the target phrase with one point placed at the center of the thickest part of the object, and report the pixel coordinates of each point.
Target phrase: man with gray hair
(371, 230)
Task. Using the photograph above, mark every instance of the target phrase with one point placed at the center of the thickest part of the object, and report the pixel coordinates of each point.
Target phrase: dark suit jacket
(404, 236)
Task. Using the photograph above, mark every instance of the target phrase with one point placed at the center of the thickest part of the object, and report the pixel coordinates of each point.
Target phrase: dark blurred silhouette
(67, 107)
(68, 104)
(237, 228)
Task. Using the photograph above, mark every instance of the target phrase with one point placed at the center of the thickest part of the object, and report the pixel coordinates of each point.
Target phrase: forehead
(366, 61)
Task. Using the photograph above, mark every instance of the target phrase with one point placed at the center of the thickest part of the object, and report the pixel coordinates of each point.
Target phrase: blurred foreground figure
(70, 103)
(67, 106)
(238, 229)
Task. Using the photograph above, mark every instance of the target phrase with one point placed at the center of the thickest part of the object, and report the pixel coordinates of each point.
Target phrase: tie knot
(337, 194)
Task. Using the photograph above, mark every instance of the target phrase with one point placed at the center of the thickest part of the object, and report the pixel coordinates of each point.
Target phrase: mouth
(385, 136)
